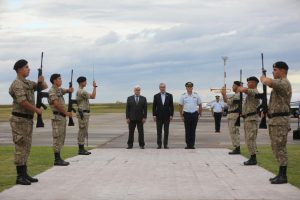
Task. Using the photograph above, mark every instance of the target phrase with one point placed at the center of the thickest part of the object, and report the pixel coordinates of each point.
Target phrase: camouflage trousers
(234, 132)
(250, 128)
(83, 128)
(22, 138)
(59, 134)
(278, 135)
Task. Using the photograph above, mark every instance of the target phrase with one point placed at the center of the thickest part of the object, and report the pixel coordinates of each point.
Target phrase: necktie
(136, 99)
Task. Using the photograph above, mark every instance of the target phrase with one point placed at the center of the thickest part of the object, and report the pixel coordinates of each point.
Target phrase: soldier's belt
(234, 111)
(59, 113)
(86, 111)
(27, 116)
(249, 114)
(280, 114)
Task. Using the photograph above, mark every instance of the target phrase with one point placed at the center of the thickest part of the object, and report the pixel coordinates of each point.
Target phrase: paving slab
(154, 174)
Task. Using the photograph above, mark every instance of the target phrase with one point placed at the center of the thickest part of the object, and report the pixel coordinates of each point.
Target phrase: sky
(141, 42)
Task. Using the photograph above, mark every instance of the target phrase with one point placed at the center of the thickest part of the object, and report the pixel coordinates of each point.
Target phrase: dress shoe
(166, 147)
(159, 147)
(129, 147)
(142, 147)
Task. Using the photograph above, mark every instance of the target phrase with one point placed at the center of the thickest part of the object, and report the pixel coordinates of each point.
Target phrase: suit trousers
(160, 124)
(140, 126)
(190, 124)
(218, 117)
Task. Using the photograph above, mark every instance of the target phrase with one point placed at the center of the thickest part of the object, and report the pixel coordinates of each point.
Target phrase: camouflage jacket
(82, 98)
(233, 106)
(251, 104)
(280, 101)
(56, 93)
(22, 90)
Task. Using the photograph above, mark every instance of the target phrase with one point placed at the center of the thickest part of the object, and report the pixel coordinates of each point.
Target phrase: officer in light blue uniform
(190, 108)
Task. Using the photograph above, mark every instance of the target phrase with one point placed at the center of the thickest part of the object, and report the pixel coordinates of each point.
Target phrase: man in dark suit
(136, 115)
(162, 111)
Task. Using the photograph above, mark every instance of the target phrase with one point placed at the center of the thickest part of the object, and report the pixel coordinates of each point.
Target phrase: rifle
(238, 120)
(40, 95)
(263, 96)
(71, 102)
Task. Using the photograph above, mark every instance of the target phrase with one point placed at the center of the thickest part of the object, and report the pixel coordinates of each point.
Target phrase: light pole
(225, 58)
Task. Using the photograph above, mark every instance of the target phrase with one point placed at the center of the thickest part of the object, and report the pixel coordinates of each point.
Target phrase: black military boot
(58, 161)
(82, 151)
(251, 161)
(235, 151)
(281, 178)
(21, 179)
(275, 177)
(32, 180)
(272, 179)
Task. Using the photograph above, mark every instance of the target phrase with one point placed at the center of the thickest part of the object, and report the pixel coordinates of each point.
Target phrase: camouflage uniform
(279, 126)
(22, 90)
(232, 117)
(251, 122)
(83, 114)
(58, 121)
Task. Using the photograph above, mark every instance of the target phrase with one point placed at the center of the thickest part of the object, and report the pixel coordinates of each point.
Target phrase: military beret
(189, 84)
(253, 78)
(54, 77)
(238, 83)
(19, 64)
(281, 65)
(81, 79)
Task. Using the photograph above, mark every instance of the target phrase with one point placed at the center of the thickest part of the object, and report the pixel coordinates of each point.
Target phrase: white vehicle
(294, 108)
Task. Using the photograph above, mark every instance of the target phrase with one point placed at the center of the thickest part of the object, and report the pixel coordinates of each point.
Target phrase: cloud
(147, 42)
(109, 38)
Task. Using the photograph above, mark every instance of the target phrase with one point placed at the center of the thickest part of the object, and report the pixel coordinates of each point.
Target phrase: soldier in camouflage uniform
(278, 114)
(83, 113)
(21, 121)
(233, 114)
(249, 113)
(57, 104)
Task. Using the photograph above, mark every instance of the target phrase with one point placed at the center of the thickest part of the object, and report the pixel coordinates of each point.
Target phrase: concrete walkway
(112, 174)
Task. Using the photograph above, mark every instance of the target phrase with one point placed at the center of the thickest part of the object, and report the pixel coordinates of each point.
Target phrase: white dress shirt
(190, 103)
(217, 106)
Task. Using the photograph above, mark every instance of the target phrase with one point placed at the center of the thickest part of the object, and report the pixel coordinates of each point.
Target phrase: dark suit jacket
(163, 111)
(136, 111)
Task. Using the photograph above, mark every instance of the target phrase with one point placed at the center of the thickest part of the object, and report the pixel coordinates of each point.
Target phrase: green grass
(95, 110)
(266, 160)
(41, 159)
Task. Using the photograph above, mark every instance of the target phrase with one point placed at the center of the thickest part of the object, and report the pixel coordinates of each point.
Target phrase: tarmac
(113, 172)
